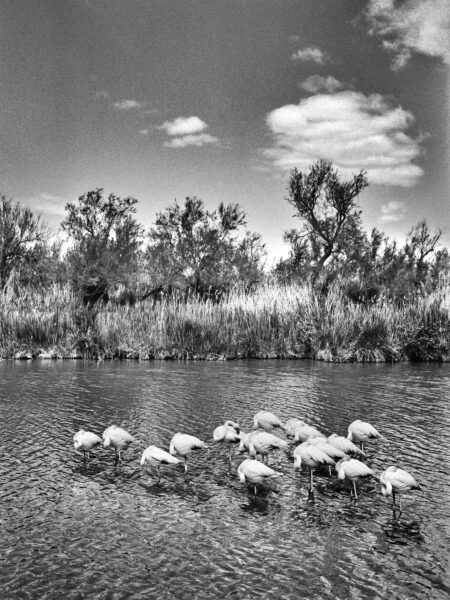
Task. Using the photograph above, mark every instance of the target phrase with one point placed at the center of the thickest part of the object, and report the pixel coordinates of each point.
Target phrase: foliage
(105, 237)
(195, 249)
(327, 207)
(22, 243)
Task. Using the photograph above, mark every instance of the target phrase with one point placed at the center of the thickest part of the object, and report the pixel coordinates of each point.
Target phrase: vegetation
(196, 287)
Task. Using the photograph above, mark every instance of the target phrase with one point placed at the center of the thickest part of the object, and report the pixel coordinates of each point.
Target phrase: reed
(285, 321)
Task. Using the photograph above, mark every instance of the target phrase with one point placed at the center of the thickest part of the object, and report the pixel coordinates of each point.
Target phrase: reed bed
(274, 321)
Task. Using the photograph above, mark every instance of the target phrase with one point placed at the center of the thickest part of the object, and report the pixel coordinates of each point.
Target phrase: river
(92, 530)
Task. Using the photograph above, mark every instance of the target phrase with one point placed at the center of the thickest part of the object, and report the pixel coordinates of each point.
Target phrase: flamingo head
(107, 441)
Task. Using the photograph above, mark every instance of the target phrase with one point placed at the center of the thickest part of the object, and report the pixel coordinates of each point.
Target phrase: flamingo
(233, 424)
(332, 451)
(302, 432)
(397, 481)
(262, 442)
(353, 470)
(360, 432)
(227, 434)
(255, 472)
(266, 420)
(342, 443)
(313, 456)
(86, 440)
(156, 457)
(183, 444)
(289, 425)
(118, 438)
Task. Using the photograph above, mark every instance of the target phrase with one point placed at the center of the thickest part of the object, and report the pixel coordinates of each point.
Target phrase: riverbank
(272, 322)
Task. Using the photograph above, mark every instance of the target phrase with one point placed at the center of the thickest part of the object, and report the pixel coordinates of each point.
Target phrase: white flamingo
(227, 434)
(397, 481)
(156, 457)
(312, 456)
(233, 424)
(266, 420)
(118, 438)
(289, 426)
(86, 440)
(183, 444)
(254, 472)
(302, 432)
(360, 432)
(353, 470)
(342, 443)
(262, 442)
(332, 451)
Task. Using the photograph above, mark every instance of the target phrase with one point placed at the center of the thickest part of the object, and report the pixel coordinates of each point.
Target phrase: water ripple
(92, 529)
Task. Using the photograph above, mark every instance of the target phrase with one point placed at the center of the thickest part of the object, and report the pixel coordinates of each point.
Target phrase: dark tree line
(190, 249)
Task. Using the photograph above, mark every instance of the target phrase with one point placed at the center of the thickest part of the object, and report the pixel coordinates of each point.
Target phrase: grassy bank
(274, 321)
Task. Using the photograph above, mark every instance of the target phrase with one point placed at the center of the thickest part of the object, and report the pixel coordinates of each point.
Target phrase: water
(74, 530)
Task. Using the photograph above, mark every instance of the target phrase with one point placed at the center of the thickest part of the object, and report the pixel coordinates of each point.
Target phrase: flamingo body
(397, 481)
(226, 434)
(254, 472)
(289, 425)
(118, 438)
(86, 440)
(156, 457)
(353, 470)
(361, 432)
(183, 444)
(266, 420)
(302, 432)
(342, 443)
(262, 442)
(312, 456)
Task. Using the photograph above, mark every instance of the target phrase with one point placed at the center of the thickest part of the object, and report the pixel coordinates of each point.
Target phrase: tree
(22, 238)
(420, 244)
(105, 242)
(327, 207)
(193, 248)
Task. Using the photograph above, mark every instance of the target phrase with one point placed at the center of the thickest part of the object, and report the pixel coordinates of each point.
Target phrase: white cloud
(184, 126)
(352, 130)
(187, 131)
(392, 211)
(317, 83)
(310, 54)
(191, 140)
(129, 105)
(421, 26)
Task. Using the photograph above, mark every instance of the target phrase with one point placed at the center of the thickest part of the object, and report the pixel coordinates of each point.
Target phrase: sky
(220, 99)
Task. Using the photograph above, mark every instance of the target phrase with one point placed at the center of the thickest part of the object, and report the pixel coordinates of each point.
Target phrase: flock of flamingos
(314, 450)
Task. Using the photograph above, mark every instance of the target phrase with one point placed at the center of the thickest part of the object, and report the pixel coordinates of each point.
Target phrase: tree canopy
(191, 247)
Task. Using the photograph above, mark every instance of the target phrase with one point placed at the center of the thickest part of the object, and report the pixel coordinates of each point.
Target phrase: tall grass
(273, 321)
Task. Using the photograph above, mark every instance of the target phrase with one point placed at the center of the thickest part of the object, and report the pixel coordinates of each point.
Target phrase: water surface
(74, 530)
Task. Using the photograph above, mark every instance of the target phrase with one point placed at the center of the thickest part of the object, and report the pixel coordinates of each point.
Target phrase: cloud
(191, 140)
(421, 26)
(187, 131)
(184, 126)
(129, 105)
(392, 211)
(310, 54)
(352, 130)
(317, 83)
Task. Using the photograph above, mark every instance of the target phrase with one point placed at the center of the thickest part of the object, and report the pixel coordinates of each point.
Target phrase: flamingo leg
(185, 464)
(255, 489)
(230, 455)
(354, 488)
(310, 480)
